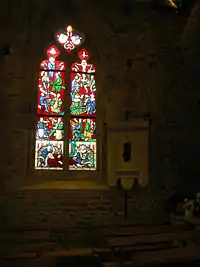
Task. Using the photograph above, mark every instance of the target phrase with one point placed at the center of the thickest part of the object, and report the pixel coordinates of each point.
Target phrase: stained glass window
(82, 141)
(50, 112)
(69, 39)
(52, 148)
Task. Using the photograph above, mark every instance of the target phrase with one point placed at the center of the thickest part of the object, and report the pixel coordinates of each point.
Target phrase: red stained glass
(53, 65)
(50, 122)
(83, 95)
(50, 128)
(51, 91)
(82, 142)
(83, 54)
(82, 129)
(83, 66)
(53, 52)
(69, 39)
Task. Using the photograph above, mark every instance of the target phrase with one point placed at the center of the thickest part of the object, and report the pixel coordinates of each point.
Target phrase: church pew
(159, 257)
(28, 262)
(22, 236)
(27, 250)
(132, 240)
(24, 244)
(32, 242)
(149, 229)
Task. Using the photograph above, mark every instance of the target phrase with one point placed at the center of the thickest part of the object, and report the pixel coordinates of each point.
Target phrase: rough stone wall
(147, 61)
(76, 209)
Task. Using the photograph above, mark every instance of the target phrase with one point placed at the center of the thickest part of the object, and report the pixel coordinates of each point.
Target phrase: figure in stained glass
(51, 93)
(82, 129)
(90, 104)
(82, 155)
(58, 83)
(77, 130)
(57, 130)
(42, 129)
(91, 83)
(43, 153)
(83, 87)
(55, 160)
(51, 84)
(75, 84)
(44, 101)
(49, 154)
(82, 143)
(55, 104)
(83, 94)
(52, 65)
(83, 66)
(45, 81)
(89, 129)
(76, 106)
(50, 128)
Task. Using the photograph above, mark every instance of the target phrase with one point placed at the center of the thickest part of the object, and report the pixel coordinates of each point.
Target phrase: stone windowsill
(68, 185)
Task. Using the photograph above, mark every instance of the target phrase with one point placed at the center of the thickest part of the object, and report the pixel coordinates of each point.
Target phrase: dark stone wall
(82, 208)
(147, 61)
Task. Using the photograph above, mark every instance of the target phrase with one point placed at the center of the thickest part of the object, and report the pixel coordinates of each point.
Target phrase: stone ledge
(68, 185)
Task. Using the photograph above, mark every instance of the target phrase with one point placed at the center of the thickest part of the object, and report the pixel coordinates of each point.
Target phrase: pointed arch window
(82, 114)
(53, 148)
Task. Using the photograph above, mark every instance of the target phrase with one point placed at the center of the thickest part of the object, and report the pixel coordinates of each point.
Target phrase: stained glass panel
(82, 129)
(52, 64)
(82, 142)
(49, 155)
(83, 95)
(51, 91)
(83, 66)
(50, 109)
(69, 39)
(82, 155)
(50, 128)
(49, 147)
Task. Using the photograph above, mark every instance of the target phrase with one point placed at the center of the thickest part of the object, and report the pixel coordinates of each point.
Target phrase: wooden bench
(135, 246)
(125, 230)
(18, 244)
(133, 240)
(31, 244)
(158, 257)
